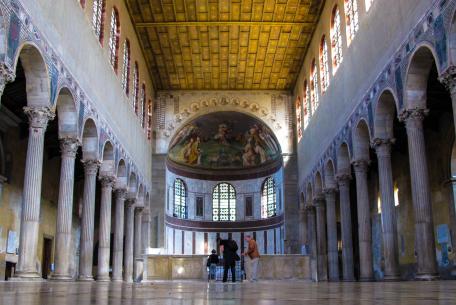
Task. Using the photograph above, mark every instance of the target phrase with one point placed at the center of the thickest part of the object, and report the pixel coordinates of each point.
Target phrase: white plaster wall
(381, 32)
(68, 31)
(243, 188)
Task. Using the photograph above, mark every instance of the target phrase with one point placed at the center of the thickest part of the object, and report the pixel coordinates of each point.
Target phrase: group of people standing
(229, 249)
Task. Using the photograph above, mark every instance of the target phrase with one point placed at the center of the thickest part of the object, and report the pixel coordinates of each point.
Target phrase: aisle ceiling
(226, 44)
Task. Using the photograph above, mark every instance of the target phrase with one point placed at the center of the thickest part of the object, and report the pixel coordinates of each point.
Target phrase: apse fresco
(224, 140)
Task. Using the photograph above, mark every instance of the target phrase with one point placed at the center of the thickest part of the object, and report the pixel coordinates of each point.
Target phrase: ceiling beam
(221, 23)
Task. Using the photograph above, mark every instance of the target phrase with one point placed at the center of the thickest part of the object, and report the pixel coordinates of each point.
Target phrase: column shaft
(68, 148)
(87, 224)
(421, 193)
(389, 227)
(346, 222)
(104, 244)
(333, 255)
(322, 258)
(137, 263)
(117, 261)
(129, 240)
(28, 238)
(312, 240)
(364, 223)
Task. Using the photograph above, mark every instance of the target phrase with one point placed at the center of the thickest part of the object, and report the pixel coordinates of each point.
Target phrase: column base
(427, 277)
(85, 278)
(367, 279)
(392, 278)
(117, 280)
(61, 278)
(27, 276)
(103, 278)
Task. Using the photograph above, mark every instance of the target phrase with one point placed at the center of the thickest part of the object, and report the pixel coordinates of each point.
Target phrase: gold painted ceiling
(224, 44)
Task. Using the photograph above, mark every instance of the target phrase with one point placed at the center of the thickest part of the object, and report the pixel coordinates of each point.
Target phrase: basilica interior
(136, 135)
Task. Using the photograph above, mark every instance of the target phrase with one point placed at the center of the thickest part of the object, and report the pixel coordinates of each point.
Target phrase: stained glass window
(224, 203)
(351, 15)
(314, 86)
(299, 117)
(98, 18)
(126, 67)
(336, 40)
(135, 88)
(114, 39)
(180, 199)
(268, 199)
(324, 69)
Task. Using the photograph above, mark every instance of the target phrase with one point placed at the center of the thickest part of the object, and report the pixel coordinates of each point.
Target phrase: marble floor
(261, 293)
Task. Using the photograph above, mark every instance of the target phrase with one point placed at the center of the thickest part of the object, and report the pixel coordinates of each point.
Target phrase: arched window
(135, 87)
(114, 39)
(126, 67)
(351, 16)
(98, 18)
(324, 69)
(180, 199)
(336, 39)
(314, 86)
(224, 203)
(142, 104)
(307, 106)
(268, 199)
(368, 4)
(149, 119)
(299, 117)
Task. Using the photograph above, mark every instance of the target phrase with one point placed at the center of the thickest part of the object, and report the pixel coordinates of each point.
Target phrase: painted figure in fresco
(191, 151)
(256, 142)
(249, 156)
(222, 135)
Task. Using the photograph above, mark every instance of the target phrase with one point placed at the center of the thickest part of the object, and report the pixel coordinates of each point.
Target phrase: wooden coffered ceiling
(224, 44)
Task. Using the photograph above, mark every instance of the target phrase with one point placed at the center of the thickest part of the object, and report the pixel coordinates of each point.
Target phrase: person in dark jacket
(230, 256)
(212, 262)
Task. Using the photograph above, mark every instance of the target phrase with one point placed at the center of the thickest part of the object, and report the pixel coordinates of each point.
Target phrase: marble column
(421, 193)
(137, 253)
(322, 263)
(145, 231)
(63, 250)
(129, 240)
(30, 220)
(104, 244)
(87, 223)
(364, 223)
(117, 260)
(389, 228)
(303, 228)
(331, 221)
(312, 240)
(346, 223)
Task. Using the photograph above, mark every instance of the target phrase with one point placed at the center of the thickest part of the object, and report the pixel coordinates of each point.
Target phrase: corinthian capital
(91, 166)
(361, 165)
(7, 75)
(343, 179)
(448, 79)
(39, 116)
(107, 180)
(69, 147)
(413, 115)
